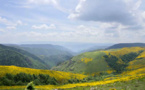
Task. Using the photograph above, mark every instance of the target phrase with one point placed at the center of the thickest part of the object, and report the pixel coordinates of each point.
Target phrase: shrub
(30, 86)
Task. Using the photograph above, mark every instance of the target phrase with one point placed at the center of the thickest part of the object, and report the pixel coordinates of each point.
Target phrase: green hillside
(18, 57)
(50, 54)
(81, 63)
(137, 84)
(105, 62)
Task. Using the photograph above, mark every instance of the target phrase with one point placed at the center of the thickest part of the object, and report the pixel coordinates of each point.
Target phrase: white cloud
(81, 33)
(4, 21)
(121, 14)
(10, 24)
(119, 11)
(44, 26)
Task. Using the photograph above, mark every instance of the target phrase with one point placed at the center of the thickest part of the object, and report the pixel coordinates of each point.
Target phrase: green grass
(98, 64)
(75, 65)
(138, 84)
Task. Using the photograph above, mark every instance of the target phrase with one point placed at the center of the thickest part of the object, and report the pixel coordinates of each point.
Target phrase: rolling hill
(56, 74)
(105, 61)
(122, 45)
(50, 54)
(18, 57)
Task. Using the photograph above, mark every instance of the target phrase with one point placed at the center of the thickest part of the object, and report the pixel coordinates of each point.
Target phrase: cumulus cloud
(119, 11)
(10, 24)
(4, 21)
(44, 26)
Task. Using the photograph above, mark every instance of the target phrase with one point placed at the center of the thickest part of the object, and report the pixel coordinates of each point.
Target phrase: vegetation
(23, 79)
(86, 63)
(61, 77)
(101, 62)
(41, 79)
(136, 84)
(109, 70)
(104, 83)
(120, 62)
(18, 57)
(113, 63)
(30, 86)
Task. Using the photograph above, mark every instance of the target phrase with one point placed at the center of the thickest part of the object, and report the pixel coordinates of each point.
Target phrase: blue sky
(90, 21)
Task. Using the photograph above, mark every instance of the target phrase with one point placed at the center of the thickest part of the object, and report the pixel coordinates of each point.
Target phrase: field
(118, 81)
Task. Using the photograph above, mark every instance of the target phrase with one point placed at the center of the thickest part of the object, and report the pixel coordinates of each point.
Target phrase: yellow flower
(112, 89)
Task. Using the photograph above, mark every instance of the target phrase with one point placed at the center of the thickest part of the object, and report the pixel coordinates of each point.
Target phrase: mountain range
(48, 53)
(19, 57)
(121, 45)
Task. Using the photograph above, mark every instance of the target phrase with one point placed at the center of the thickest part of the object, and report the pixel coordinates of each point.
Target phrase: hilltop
(122, 45)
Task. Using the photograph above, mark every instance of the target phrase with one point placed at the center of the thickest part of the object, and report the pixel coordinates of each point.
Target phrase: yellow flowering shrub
(86, 60)
(142, 55)
(136, 64)
(126, 77)
(124, 51)
(134, 72)
(110, 71)
(59, 75)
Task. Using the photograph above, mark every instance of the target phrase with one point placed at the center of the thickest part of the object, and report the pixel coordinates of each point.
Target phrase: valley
(72, 45)
(108, 69)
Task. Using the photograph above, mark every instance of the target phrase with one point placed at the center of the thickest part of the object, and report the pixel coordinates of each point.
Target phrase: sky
(87, 21)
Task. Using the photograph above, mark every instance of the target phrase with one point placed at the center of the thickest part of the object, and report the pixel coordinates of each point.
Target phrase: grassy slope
(137, 84)
(78, 66)
(57, 74)
(133, 80)
(98, 63)
(18, 57)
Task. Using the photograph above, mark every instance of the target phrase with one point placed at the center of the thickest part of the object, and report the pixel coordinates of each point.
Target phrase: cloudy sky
(95, 21)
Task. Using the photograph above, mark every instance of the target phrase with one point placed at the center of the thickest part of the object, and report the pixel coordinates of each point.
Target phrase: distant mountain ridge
(122, 45)
(50, 54)
(18, 57)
